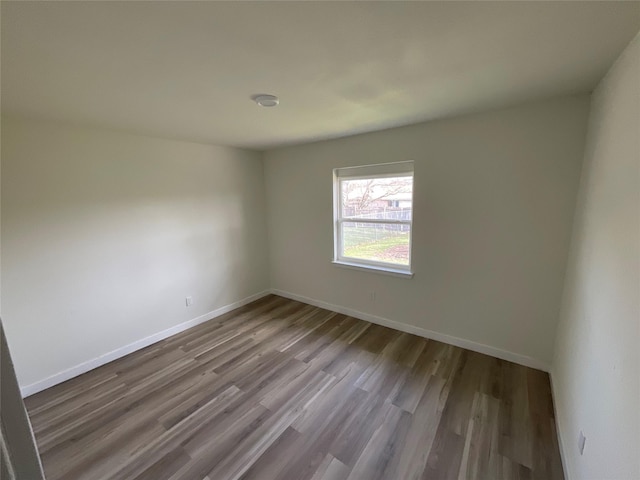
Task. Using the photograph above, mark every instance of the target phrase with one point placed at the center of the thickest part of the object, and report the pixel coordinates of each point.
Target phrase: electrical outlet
(188, 301)
(372, 296)
(581, 440)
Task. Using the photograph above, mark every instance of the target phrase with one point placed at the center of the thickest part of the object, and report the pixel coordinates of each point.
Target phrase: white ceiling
(186, 70)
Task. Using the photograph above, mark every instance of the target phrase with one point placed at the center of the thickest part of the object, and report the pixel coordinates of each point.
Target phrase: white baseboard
(563, 457)
(132, 347)
(422, 332)
(145, 342)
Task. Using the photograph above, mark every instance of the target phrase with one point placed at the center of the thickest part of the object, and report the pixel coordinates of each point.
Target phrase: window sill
(374, 269)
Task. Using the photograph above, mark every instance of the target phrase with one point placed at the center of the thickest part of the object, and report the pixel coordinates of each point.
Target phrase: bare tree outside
(374, 195)
(378, 199)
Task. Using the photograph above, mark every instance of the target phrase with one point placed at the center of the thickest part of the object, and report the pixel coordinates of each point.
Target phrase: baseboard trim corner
(561, 444)
(421, 332)
(132, 347)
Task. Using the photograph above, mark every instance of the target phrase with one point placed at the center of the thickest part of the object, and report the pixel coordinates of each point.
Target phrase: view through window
(374, 217)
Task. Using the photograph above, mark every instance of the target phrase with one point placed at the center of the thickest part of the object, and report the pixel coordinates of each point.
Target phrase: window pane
(379, 242)
(378, 198)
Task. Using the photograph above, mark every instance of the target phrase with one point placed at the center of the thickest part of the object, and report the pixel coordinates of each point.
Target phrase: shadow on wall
(102, 246)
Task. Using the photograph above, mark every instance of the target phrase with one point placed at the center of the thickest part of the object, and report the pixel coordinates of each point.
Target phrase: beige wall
(596, 370)
(494, 199)
(104, 234)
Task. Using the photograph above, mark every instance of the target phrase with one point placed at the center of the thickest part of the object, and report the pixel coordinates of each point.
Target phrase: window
(373, 216)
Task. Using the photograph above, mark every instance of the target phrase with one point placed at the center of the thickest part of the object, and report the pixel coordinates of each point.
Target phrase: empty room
(317, 240)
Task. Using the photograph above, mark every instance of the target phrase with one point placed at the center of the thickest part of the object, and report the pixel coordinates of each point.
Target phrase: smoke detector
(265, 100)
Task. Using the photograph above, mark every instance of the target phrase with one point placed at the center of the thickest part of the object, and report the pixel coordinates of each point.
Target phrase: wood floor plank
(422, 432)
(281, 390)
(380, 458)
(164, 444)
(348, 444)
(481, 455)
(445, 455)
(272, 461)
(166, 467)
(316, 441)
(516, 441)
(334, 470)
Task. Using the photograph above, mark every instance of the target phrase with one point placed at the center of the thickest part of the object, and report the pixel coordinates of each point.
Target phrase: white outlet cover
(581, 441)
(189, 301)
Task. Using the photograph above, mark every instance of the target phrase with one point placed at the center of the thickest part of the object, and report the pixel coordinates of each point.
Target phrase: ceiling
(187, 69)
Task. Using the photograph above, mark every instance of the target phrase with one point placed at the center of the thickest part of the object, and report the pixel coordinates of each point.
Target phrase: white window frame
(385, 170)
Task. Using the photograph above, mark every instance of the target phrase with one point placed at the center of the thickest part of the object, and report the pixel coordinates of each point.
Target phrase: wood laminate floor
(282, 390)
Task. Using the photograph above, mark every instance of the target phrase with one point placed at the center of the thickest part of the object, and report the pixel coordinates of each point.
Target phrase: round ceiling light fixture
(265, 100)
